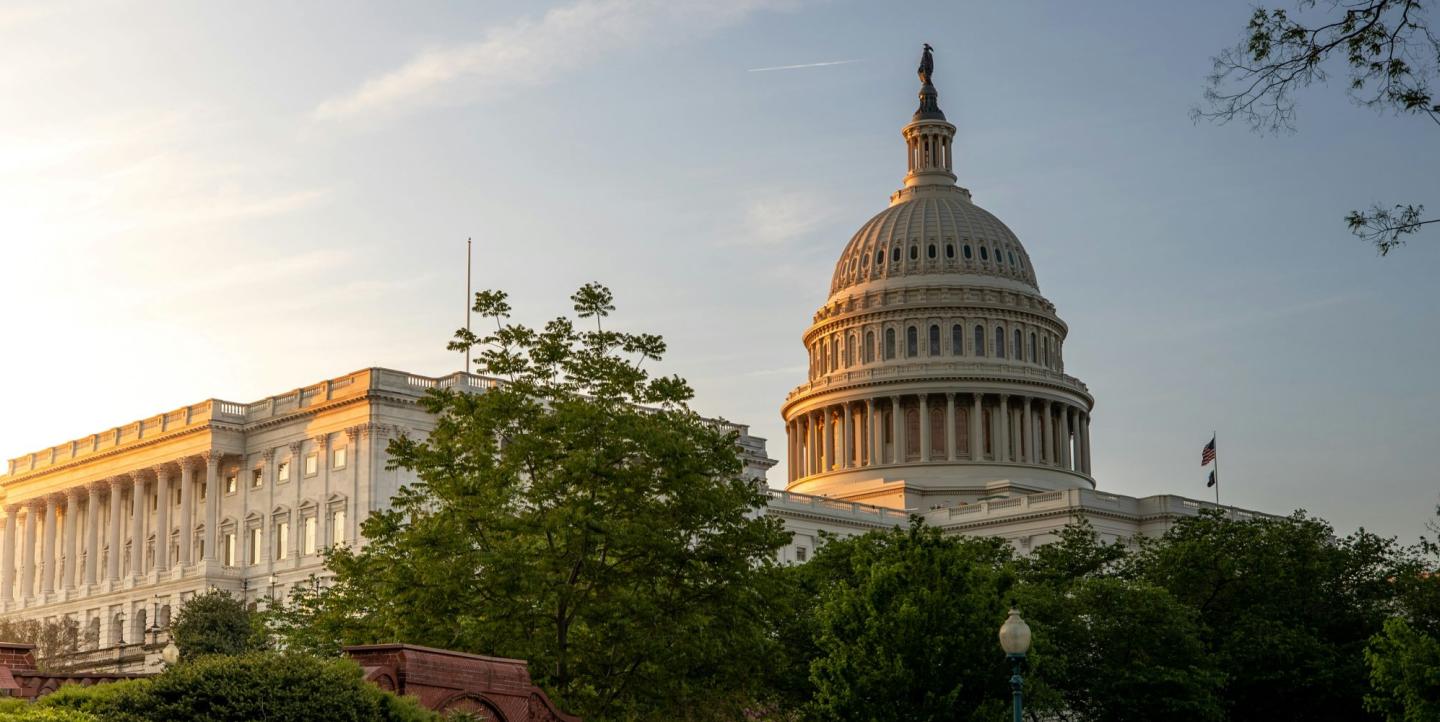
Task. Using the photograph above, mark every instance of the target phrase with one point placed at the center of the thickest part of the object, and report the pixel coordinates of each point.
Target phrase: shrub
(269, 686)
(216, 623)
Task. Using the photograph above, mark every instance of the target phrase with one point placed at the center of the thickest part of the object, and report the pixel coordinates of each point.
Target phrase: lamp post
(1015, 640)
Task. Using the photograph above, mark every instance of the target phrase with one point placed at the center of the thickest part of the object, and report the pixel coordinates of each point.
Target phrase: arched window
(957, 340)
(1019, 348)
(1047, 352)
(937, 433)
(979, 340)
(824, 357)
(869, 347)
(984, 254)
(834, 352)
(912, 433)
(912, 342)
(1033, 357)
(914, 251)
(850, 350)
(999, 342)
(895, 254)
(962, 431)
(934, 339)
(930, 252)
(967, 252)
(949, 250)
(889, 343)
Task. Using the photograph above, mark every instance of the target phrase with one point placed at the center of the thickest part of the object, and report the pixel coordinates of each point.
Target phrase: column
(1065, 437)
(162, 517)
(872, 433)
(187, 494)
(827, 427)
(1049, 436)
(895, 411)
(7, 572)
(73, 539)
(849, 428)
(977, 418)
(1002, 447)
(1028, 430)
(1085, 442)
(92, 532)
(137, 526)
(212, 500)
(950, 427)
(924, 427)
(112, 560)
(48, 556)
(27, 561)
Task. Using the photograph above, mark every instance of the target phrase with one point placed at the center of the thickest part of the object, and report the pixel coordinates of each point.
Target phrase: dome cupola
(936, 369)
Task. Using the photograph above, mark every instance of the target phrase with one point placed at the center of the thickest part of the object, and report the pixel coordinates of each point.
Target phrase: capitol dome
(936, 372)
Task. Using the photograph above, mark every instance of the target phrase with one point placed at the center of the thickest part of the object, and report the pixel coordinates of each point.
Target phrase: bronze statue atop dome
(929, 98)
(927, 65)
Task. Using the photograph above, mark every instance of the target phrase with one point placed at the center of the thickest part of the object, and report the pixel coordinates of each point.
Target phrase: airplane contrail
(803, 65)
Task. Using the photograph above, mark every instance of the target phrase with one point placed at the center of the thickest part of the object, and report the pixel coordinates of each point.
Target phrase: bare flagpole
(469, 302)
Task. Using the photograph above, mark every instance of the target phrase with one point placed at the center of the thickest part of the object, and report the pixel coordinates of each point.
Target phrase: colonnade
(939, 427)
(102, 529)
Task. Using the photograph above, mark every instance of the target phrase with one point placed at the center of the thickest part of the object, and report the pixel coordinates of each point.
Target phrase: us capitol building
(936, 387)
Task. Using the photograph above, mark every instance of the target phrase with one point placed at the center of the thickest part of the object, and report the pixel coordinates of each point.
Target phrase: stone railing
(790, 500)
(925, 370)
(203, 413)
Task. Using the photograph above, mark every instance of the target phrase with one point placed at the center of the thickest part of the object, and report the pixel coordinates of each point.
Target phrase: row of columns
(1021, 429)
(62, 569)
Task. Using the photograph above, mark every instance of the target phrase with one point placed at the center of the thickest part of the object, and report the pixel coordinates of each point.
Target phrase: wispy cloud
(779, 218)
(531, 52)
(827, 63)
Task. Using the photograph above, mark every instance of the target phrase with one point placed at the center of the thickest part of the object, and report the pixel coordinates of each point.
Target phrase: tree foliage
(579, 516)
(1392, 59)
(241, 688)
(1404, 659)
(53, 640)
(215, 622)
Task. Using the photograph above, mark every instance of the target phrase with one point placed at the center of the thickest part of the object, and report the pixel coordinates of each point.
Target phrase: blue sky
(206, 200)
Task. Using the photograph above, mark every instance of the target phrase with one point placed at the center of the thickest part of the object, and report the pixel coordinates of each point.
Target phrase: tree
(1392, 56)
(905, 627)
(579, 516)
(1107, 648)
(216, 623)
(1404, 658)
(1286, 608)
(53, 640)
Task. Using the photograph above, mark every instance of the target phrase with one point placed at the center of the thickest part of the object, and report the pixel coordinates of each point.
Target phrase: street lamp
(1015, 640)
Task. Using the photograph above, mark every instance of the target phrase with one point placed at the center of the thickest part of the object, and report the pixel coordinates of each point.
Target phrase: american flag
(1207, 455)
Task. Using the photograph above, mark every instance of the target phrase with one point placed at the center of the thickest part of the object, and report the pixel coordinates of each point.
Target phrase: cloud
(531, 52)
(779, 218)
(827, 63)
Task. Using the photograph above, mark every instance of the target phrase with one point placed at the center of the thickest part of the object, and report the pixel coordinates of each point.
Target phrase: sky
(230, 200)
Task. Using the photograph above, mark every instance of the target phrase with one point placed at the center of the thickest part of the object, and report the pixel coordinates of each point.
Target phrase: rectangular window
(800, 553)
(282, 540)
(257, 477)
(311, 525)
(282, 472)
(312, 463)
(232, 482)
(230, 550)
(253, 552)
(337, 526)
(339, 462)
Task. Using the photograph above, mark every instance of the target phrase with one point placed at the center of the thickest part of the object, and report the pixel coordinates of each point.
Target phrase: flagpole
(469, 301)
(1215, 439)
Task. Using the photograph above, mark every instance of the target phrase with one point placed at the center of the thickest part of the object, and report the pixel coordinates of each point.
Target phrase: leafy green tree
(1404, 658)
(1391, 55)
(579, 516)
(905, 627)
(54, 640)
(1107, 648)
(216, 623)
(1286, 608)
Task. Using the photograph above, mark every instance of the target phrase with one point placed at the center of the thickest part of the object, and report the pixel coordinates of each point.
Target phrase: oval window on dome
(949, 250)
(914, 252)
(968, 255)
(879, 257)
(895, 254)
(1012, 258)
(930, 251)
(984, 254)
